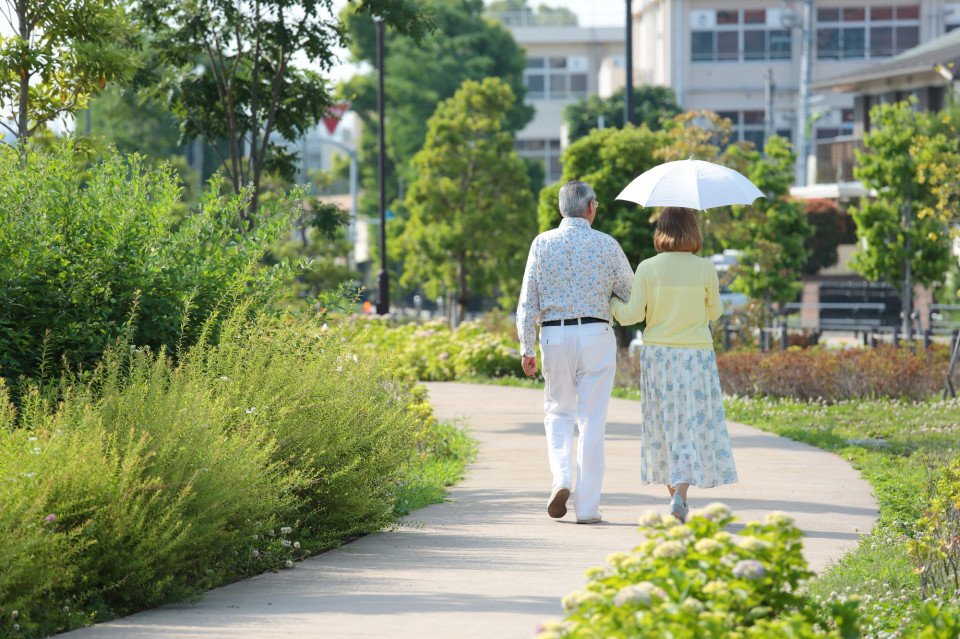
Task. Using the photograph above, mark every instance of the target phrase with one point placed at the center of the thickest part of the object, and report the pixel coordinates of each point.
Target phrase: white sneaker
(557, 504)
(678, 507)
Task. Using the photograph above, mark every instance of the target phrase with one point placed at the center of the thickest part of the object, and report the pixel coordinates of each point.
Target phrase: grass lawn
(447, 450)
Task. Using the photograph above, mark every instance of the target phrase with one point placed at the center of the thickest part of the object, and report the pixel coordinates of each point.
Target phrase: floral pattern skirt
(684, 437)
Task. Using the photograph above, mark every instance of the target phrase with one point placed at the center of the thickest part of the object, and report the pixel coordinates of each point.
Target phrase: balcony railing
(836, 159)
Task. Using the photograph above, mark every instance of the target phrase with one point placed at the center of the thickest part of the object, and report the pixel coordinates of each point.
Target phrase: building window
(546, 151)
(556, 78)
(736, 35)
(747, 125)
(861, 33)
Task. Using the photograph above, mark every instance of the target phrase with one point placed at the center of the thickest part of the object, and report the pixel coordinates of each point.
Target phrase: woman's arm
(714, 303)
(635, 310)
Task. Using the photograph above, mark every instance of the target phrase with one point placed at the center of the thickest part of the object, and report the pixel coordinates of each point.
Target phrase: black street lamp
(628, 91)
(383, 279)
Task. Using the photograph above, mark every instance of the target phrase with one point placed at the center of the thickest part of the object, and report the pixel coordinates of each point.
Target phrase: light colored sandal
(678, 507)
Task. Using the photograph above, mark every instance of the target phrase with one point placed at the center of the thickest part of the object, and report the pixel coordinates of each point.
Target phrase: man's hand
(529, 365)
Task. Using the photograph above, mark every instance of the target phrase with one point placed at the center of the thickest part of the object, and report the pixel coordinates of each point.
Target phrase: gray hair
(575, 198)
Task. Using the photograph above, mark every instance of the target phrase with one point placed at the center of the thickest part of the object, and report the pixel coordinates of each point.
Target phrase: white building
(564, 63)
(718, 54)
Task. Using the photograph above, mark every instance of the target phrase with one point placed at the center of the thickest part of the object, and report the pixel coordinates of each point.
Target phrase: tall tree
(544, 15)
(607, 160)
(772, 232)
(651, 106)
(58, 55)
(902, 241)
(252, 90)
(471, 215)
(418, 76)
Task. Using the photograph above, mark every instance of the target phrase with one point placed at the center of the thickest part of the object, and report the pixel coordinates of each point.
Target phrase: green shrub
(432, 352)
(936, 548)
(697, 580)
(884, 371)
(691, 580)
(155, 480)
(77, 248)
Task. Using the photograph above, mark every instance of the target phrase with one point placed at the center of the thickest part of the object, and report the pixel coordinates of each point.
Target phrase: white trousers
(578, 363)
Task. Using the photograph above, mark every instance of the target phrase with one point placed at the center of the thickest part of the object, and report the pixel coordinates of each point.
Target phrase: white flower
(355, 358)
(669, 549)
(256, 537)
(650, 519)
(632, 595)
(748, 542)
(285, 543)
(288, 563)
(716, 511)
(715, 588)
(296, 545)
(778, 518)
(692, 605)
(749, 569)
(251, 410)
(286, 530)
(15, 614)
(578, 597)
(255, 552)
(224, 378)
(270, 532)
(707, 545)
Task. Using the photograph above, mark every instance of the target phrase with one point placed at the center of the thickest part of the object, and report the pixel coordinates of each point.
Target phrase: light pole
(628, 90)
(803, 107)
(383, 279)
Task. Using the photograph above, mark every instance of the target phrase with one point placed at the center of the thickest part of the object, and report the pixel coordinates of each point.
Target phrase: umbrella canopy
(693, 184)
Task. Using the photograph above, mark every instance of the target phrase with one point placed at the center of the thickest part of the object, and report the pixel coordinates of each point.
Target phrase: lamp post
(383, 279)
(628, 90)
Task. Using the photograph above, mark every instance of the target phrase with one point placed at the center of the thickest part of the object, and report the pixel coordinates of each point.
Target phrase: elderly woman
(684, 439)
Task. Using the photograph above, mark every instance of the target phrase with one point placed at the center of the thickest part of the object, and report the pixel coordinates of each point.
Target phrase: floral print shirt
(571, 272)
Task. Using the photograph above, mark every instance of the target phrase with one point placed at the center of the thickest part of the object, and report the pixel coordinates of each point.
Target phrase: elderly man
(572, 272)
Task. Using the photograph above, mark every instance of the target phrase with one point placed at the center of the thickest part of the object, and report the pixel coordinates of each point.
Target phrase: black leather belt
(575, 321)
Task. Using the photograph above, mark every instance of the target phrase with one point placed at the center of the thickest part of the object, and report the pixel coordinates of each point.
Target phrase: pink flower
(50, 518)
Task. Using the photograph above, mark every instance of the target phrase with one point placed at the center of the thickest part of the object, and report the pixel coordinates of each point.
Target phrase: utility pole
(803, 107)
(628, 91)
(907, 293)
(383, 279)
(768, 89)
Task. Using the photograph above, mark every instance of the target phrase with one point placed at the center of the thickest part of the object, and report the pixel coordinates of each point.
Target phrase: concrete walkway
(490, 563)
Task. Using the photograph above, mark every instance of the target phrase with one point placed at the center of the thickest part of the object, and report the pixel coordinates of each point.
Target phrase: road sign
(334, 114)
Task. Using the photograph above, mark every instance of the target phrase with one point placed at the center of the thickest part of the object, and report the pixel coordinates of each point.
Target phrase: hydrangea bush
(701, 580)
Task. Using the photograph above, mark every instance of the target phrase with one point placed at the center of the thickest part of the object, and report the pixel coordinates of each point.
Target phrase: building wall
(564, 64)
(716, 54)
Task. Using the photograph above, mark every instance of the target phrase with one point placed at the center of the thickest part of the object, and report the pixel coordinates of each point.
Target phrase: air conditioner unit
(703, 19)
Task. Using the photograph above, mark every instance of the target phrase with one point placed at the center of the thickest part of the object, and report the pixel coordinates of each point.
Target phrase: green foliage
(444, 450)
(697, 580)
(464, 46)
(79, 249)
(153, 481)
(470, 210)
(773, 230)
(891, 166)
(432, 352)
(652, 105)
(832, 227)
(251, 86)
(936, 550)
(56, 55)
(914, 437)
(607, 160)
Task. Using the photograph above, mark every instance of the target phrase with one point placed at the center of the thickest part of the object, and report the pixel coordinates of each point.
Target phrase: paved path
(490, 563)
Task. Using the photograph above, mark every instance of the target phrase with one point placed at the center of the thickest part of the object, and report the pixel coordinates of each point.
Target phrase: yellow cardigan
(678, 293)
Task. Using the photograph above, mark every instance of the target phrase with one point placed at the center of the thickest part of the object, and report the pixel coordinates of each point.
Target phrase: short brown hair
(677, 231)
